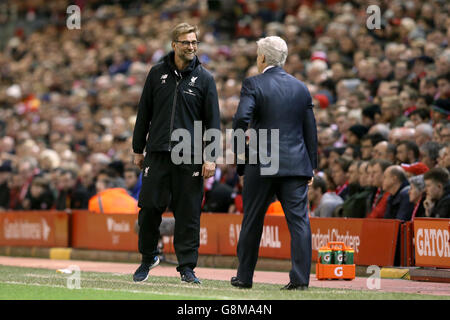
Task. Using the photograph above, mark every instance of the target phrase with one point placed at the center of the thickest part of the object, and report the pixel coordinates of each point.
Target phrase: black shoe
(141, 274)
(235, 282)
(188, 276)
(291, 286)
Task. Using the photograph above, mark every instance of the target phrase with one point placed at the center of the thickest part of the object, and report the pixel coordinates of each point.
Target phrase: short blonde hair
(184, 28)
(52, 156)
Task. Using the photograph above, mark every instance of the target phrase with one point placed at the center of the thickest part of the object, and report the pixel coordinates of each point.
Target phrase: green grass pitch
(17, 283)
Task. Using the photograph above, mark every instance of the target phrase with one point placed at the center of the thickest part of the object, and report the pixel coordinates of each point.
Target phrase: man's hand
(26, 204)
(428, 204)
(139, 160)
(208, 169)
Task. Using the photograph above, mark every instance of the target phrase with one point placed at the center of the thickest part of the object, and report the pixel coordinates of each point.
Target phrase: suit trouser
(181, 186)
(257, 193)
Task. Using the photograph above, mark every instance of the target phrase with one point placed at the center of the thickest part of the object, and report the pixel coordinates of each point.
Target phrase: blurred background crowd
(68, 98)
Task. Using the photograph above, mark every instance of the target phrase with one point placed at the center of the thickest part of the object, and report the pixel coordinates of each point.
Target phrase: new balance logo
(189, 91)
(163, 78)
(196, 174)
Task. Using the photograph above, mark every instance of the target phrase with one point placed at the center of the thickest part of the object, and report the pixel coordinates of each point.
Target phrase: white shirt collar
(267, 68)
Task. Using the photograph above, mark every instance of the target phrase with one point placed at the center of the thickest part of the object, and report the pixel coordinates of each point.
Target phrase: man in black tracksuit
(177, 92)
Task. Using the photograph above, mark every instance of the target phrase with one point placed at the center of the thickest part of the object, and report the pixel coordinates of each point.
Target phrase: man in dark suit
(275, 100)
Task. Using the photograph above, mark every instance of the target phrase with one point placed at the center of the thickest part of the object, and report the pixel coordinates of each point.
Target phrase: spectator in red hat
(323, 100)
(414, 169)
(319, 55)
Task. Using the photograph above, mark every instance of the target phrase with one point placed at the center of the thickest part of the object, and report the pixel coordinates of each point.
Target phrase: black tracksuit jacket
(172, 99)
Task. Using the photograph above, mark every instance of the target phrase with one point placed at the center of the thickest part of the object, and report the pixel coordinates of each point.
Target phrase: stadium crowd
(68, 99)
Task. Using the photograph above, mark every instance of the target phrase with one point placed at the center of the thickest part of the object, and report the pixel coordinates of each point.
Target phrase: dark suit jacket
(277, 100)
(398, 205)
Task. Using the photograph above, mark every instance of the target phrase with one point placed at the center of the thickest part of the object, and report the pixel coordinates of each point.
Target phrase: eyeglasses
(187, 43)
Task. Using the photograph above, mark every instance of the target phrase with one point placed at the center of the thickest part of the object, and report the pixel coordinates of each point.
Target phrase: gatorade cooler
(325, 255)
(341, 265)
(338, 255)
(348, 255)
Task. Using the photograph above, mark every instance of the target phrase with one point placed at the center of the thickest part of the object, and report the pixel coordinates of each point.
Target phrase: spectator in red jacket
(339, 171)
(379, 201)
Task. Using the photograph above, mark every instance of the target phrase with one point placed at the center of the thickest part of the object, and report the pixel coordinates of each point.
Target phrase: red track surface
(281, 278)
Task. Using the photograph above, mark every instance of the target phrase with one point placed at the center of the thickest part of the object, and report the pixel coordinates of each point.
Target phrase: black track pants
(181, 186)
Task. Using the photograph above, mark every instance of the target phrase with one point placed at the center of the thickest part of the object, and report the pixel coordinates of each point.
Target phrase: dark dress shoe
(291, 286)
(235, 282)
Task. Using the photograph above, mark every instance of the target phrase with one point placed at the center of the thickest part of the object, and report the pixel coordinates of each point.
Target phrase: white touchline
(149, 284)
(116, 290)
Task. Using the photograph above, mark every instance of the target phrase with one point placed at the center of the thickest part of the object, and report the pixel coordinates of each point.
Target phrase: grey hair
(418, 182)
(425, 129)
(382, 129)
(446, 55)
(431, 148)
(115, 183)
(274, 49)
